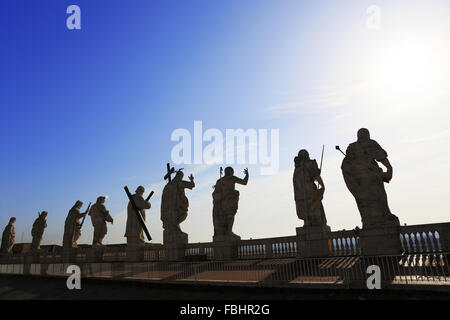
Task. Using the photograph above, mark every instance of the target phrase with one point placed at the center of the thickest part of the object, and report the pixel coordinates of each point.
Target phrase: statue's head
(78, 204)
(363, 134)
(12, 220)
(179, 175)
(140, 190)
(303, 155)
(101, 199)
(229, 171)
(44, 214)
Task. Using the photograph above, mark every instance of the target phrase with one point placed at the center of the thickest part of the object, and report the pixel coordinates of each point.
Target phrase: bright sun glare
(407, 67)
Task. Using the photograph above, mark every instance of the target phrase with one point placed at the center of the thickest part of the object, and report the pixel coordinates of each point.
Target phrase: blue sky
(85, 112)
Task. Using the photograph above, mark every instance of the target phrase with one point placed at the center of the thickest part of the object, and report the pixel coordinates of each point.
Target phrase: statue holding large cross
(174, 205)
(136, 217)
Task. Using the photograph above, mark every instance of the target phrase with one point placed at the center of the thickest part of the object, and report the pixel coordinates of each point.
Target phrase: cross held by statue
(168, 175)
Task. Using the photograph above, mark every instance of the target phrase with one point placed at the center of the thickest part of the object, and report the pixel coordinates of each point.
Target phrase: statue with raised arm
(174, 206)
(8, 237)
(134, 232)
(308, 197)
(37, 231)
(99, 217)
(72, 226)
(365, 180)
(225, 204)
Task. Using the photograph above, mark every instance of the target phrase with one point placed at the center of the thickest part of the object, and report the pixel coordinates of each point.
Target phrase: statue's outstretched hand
(246, 171)
(387, 176)
(191, 178)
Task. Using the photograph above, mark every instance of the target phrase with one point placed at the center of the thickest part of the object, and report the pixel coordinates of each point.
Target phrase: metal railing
(345, 272)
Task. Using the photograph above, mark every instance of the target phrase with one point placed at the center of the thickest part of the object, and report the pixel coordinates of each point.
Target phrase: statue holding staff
(72, 226)
(225, 204)
(365, 180)
(308, 197)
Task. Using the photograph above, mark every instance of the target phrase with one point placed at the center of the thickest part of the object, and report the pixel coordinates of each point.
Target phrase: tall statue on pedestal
(134, 231)
(308, 197)
(365, 180)
(99, 217)
(72, 226)
(225, 204)
(37, 231)
(174, 207)
(8, 237)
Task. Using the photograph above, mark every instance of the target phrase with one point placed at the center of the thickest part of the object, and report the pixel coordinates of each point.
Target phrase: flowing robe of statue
(8, 238)
(225, 206)
(365, 180)
(37, 231)
(99, 217)
(72, 228)
(134, 232)
(174, 205)
(308, 198)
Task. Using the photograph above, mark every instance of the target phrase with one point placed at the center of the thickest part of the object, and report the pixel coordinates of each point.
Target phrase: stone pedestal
(226, 247)
(135, 252)
(313, 241)
(380, 241)
(175, 243)
(69, 255)
(31, 257)
(95, 254)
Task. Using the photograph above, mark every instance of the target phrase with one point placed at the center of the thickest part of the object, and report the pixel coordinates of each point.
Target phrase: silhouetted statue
(72, 226)
(308, 197)
(37, 231)
(174, 205)
(99, 217)
(365, 180)
(8, 237)
(134, 232)
(225, 204)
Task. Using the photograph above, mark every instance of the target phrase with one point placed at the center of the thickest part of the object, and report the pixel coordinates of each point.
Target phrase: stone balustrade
(344, 243)
(425, 238)
(415, 239)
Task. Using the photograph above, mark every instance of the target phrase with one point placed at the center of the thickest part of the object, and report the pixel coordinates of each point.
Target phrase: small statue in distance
(99, 217)
(72, 226)
(37, 231)
(8, 237)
